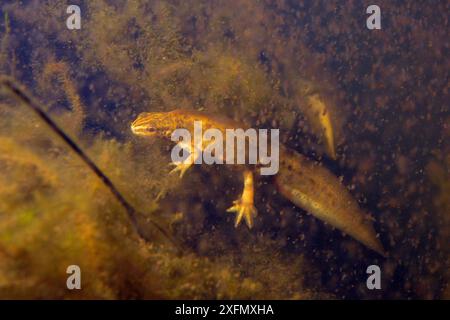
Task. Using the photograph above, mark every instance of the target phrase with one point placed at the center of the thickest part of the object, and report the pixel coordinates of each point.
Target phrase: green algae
(249, 61)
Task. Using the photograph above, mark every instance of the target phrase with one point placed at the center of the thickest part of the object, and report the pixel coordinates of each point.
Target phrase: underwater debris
(319, 117)
(7, 56)
(320, 110)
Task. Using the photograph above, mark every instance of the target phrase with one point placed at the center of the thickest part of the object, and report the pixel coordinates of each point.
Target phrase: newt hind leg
(244, 206)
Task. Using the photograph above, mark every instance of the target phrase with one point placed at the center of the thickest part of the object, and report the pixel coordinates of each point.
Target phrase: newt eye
(151, 129)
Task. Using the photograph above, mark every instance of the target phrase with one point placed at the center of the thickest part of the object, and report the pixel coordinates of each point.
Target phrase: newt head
(153, 124)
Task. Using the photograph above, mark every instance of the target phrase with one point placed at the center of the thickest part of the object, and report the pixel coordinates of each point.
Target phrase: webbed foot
(244, 209)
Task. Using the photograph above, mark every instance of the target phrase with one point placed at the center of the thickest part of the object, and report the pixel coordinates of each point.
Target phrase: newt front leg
(183, 166)
(244, 206)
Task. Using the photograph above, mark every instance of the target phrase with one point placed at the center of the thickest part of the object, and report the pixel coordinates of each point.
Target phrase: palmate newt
(305, 183)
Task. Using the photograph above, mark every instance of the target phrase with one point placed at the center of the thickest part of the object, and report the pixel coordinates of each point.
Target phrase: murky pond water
(367, 110)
